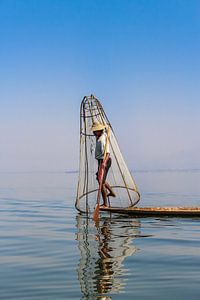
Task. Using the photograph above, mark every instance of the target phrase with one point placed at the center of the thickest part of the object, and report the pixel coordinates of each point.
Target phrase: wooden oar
(100, 179)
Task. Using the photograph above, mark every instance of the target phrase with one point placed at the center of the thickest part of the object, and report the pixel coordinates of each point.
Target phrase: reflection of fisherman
(104, 160)
(105, 262)
(101, 268)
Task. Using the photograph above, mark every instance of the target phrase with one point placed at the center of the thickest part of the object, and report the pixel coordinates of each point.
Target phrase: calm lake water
(49, 251)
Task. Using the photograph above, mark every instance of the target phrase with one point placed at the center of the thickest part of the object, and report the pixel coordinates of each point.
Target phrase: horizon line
(75, 171)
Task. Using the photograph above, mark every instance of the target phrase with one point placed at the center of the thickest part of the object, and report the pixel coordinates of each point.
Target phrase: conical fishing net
(118, 177)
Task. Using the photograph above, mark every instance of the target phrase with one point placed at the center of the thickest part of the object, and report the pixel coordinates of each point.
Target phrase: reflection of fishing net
(103, 250)
(119, 176)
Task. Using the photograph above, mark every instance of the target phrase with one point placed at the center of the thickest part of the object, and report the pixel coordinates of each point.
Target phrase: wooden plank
(155, 211)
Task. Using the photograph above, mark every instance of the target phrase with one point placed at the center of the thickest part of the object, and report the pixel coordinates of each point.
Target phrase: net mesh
(119, 176)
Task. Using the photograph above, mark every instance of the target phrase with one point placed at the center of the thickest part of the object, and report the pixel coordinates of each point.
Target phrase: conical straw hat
(97, 127)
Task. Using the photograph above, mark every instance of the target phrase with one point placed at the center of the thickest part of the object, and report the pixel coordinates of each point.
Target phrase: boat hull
(155, 211)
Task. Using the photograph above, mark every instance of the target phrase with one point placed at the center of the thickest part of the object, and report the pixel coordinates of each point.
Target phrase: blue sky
(139, 57)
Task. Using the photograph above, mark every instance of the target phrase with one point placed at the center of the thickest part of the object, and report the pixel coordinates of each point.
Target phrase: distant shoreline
(184, 170)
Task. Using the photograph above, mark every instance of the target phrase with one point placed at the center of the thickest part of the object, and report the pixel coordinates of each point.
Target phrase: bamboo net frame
(119, 176)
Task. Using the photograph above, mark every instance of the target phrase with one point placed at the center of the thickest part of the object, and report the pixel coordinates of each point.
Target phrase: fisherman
(103, 158)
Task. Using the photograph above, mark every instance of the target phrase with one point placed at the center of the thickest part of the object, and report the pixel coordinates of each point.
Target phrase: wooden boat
(155, 211)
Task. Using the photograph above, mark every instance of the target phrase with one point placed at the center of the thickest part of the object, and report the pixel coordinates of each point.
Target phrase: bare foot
(103, 206)
(111, 194)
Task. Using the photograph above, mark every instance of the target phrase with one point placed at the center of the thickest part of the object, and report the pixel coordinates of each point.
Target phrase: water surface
(49, 251)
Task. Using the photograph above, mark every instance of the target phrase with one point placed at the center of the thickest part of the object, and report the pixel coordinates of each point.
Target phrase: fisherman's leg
(108, 187)
(104, 195)
(111, 192)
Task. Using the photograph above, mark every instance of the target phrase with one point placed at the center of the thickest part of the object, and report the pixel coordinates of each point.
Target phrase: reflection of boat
(102, 252)
(156, 211)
